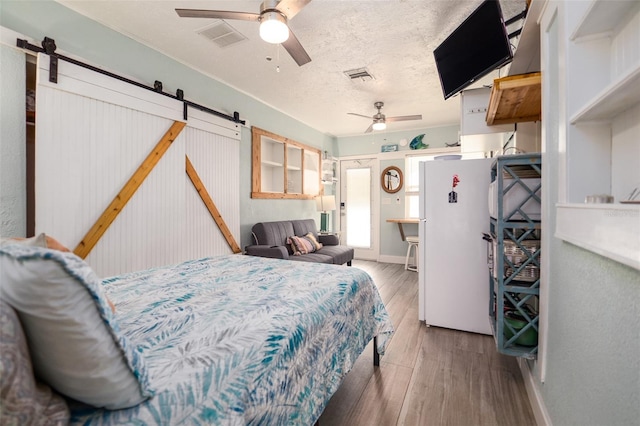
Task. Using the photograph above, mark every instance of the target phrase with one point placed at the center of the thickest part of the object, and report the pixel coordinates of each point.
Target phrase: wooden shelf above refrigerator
(515, 99)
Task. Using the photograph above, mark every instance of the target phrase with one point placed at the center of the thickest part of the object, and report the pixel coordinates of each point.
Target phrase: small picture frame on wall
(389, 148)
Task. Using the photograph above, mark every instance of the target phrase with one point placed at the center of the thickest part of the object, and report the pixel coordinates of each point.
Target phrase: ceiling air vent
(359, 74)
(222, 34)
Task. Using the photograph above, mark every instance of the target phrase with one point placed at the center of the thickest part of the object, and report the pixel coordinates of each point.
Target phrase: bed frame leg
(376, 355)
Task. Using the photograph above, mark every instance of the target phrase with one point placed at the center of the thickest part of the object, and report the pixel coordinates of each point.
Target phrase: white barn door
(92, 133)
(215, 155)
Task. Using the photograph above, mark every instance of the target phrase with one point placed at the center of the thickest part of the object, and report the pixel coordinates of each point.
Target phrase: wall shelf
(329, 170)
(602, 145)
(610, 230)
(621, 95)
(515, 99)
(283, 168)
(602, 18)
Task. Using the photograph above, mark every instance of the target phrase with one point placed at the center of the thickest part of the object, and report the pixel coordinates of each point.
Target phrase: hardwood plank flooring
(428, 375)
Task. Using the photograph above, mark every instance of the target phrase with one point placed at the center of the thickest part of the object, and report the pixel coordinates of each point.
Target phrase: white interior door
(358, 215)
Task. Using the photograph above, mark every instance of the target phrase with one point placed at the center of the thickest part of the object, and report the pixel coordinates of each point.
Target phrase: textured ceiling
(394, 40)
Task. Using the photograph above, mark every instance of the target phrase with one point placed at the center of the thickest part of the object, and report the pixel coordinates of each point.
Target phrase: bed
(224, 340)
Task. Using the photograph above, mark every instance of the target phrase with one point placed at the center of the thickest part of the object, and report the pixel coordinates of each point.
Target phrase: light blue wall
(390, 242)
(371, 143)
(593, 357)
(367, 144)
(13, 200)
(82, 37)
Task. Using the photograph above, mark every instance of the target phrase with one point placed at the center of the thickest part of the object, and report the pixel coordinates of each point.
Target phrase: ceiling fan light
(379, 125)
(273, 28)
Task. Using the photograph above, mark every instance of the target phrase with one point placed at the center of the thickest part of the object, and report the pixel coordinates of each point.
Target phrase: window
(412, 179)
(412, 184)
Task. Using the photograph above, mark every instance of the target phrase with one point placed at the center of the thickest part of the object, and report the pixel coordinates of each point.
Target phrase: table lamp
(324, 204)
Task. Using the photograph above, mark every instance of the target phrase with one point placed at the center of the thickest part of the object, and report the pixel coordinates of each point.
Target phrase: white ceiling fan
(380, 120)
(273, 18)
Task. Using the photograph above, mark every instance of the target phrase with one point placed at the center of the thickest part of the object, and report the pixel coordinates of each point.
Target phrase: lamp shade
(273, 28)
(325, 203)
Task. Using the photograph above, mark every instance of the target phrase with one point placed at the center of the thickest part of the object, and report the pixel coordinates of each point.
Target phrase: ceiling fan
(380, 120)
(273, 18)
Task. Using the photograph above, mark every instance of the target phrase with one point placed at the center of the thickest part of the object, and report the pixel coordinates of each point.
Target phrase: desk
(400, 222)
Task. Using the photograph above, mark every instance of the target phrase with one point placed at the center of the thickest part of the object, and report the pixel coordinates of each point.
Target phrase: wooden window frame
(256, 167)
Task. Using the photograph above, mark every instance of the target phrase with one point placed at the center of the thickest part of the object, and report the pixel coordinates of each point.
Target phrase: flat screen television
(478, 46)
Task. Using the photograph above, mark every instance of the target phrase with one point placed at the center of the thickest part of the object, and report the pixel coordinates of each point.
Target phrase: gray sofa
(270, 240)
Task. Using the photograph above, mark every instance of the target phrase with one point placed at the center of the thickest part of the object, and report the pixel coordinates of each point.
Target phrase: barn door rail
(49, 47)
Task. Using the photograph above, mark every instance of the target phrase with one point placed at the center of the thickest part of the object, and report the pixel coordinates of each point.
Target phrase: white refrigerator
(453, 272)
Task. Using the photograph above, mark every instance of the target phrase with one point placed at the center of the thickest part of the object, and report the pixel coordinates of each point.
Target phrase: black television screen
(478, 46)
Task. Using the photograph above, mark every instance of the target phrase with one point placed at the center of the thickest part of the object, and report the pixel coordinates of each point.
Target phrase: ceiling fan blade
(291, 7)
(217, 14)
(360, 115)
(369, 129)
(404, 118)
(295, 49)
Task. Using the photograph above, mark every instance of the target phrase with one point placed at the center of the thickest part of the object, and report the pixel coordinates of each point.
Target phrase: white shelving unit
(602, 75)
(311, 172)
(329, 170)
(611, 230)
(294, 169)
(272, 166)
(283, 168)
(621, 95)
(602, 18)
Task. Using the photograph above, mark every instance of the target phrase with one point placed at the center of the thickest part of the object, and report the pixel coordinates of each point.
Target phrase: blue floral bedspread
(236, 340)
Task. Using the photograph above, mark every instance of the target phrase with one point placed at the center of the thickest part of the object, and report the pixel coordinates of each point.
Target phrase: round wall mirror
(391, 179)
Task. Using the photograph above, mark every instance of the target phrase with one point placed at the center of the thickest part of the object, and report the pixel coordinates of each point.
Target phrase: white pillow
(74, 340)
(37, 241)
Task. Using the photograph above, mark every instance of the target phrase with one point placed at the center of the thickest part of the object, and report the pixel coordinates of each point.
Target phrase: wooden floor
(428, 375)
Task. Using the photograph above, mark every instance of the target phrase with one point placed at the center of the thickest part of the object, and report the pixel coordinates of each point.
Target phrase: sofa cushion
(272, 233)
(339, 254)
(304, 226)
(314, 257)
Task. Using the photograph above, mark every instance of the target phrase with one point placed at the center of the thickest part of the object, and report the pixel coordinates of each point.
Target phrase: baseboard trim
(533, 392)
(391, 259)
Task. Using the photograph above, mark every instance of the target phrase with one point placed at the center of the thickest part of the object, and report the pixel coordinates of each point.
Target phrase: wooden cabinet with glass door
(283, 168)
